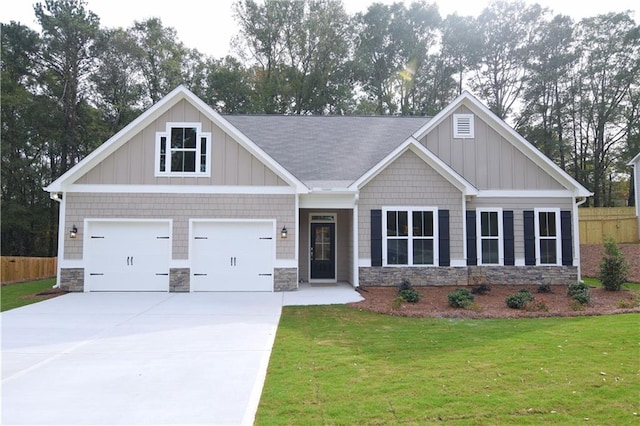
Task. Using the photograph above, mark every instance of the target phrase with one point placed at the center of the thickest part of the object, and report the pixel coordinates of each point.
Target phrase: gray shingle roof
(323, 149)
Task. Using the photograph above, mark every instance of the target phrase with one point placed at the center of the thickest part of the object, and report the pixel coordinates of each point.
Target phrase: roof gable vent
(463, 126)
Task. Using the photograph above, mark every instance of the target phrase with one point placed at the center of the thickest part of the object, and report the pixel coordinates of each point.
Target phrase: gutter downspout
(576, 232)
(59, 197)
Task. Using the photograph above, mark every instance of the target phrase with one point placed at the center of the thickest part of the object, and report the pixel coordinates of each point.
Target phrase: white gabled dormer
(463, 126)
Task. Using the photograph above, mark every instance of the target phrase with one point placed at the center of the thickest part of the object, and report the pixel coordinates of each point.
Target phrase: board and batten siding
(488, 161)
(411, 182)
(134, 162)
(180, 208)
(518, 206)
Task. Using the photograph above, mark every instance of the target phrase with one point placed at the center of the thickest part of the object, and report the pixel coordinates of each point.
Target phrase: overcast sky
(208, 25)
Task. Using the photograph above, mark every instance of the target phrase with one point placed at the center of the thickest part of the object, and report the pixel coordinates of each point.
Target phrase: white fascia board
(510, 135)
(427, 156)
(181, 189)
(633, 160)
(562, 193)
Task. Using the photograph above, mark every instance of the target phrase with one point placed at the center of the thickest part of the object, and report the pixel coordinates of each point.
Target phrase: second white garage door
(232, 255)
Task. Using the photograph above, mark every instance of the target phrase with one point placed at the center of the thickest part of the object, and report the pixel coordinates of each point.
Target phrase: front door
(322, 251)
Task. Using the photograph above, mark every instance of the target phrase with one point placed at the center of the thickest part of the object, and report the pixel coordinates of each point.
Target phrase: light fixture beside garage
(284, 233)
(74, 232)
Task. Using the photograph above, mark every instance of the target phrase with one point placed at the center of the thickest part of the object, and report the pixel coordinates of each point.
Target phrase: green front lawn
(338, 365)
(595, 282)
(16, 295)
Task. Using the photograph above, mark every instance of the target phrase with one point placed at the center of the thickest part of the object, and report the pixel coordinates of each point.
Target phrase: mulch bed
(434, 303)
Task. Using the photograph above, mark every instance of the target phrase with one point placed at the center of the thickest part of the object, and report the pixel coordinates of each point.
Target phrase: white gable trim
(510, 135)
(633, 160)
(427, 156)
(178, 94)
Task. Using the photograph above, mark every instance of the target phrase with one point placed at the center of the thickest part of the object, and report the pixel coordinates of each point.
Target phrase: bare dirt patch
(434, 303)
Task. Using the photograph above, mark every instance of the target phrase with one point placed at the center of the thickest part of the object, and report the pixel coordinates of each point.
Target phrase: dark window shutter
(507, 228)
(443, 235)
(376, 237)
(529, 238)
(472, 248)
(567, 240)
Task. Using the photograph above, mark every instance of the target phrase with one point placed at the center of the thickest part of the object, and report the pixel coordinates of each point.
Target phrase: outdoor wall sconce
(74, 232)
(284, 233)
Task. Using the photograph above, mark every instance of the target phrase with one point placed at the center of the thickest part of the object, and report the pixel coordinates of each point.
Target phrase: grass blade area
(21, 294)
(338, 365)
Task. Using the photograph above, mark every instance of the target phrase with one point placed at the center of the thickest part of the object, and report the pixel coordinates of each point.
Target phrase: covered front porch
(326, 252)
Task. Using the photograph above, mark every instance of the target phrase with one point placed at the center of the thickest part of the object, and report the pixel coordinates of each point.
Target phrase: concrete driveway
(143, 358)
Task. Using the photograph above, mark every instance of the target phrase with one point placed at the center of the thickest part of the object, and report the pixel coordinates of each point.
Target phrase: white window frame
(500, 236)
(409, 237)
(558, 236)
(198, 151)
(457, 118)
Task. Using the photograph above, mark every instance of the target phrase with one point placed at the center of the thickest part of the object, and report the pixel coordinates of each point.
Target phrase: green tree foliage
(26, 141)
(570, 88)
(298, 52)
(613, 267)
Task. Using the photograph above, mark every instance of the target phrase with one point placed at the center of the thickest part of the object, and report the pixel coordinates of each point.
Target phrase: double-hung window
(490, 236)
(183, 150)
(547, 226)
(410, 236)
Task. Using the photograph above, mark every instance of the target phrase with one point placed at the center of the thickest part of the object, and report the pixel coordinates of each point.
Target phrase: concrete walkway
(144, 358)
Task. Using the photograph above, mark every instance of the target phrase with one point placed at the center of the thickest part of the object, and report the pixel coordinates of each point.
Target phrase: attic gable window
(463, 126)
(183, 150)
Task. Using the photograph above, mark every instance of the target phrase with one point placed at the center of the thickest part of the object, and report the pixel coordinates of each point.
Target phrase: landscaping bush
(519, 299)
(544, 288)
(481, 289)
(461, 298)
(407, 293)
(613, 267)
(579, 292)
(410, 295)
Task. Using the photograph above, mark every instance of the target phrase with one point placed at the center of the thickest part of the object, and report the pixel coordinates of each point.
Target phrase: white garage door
(232, 256)
(127, 255)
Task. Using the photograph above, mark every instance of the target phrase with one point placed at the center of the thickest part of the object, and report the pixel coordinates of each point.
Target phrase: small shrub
(613, 267)
(410, 295)
(407, 293)
(481, 289)
(461, 298)
(519, 299)
(579, 292)
(544, 288)
(405, 284)
(537, 306)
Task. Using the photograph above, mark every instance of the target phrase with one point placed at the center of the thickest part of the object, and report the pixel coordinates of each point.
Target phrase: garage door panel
(128, 256)
(232, 256)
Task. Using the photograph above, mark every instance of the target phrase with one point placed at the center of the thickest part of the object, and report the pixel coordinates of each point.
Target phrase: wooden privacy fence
(17, 269)
(598, 222)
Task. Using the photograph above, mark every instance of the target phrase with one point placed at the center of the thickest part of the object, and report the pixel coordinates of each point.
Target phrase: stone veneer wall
(285, 279)
(471, 275)
(179, 280)
(72, 279)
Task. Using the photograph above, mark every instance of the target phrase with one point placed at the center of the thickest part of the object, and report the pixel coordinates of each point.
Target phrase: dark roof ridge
(326, 115)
